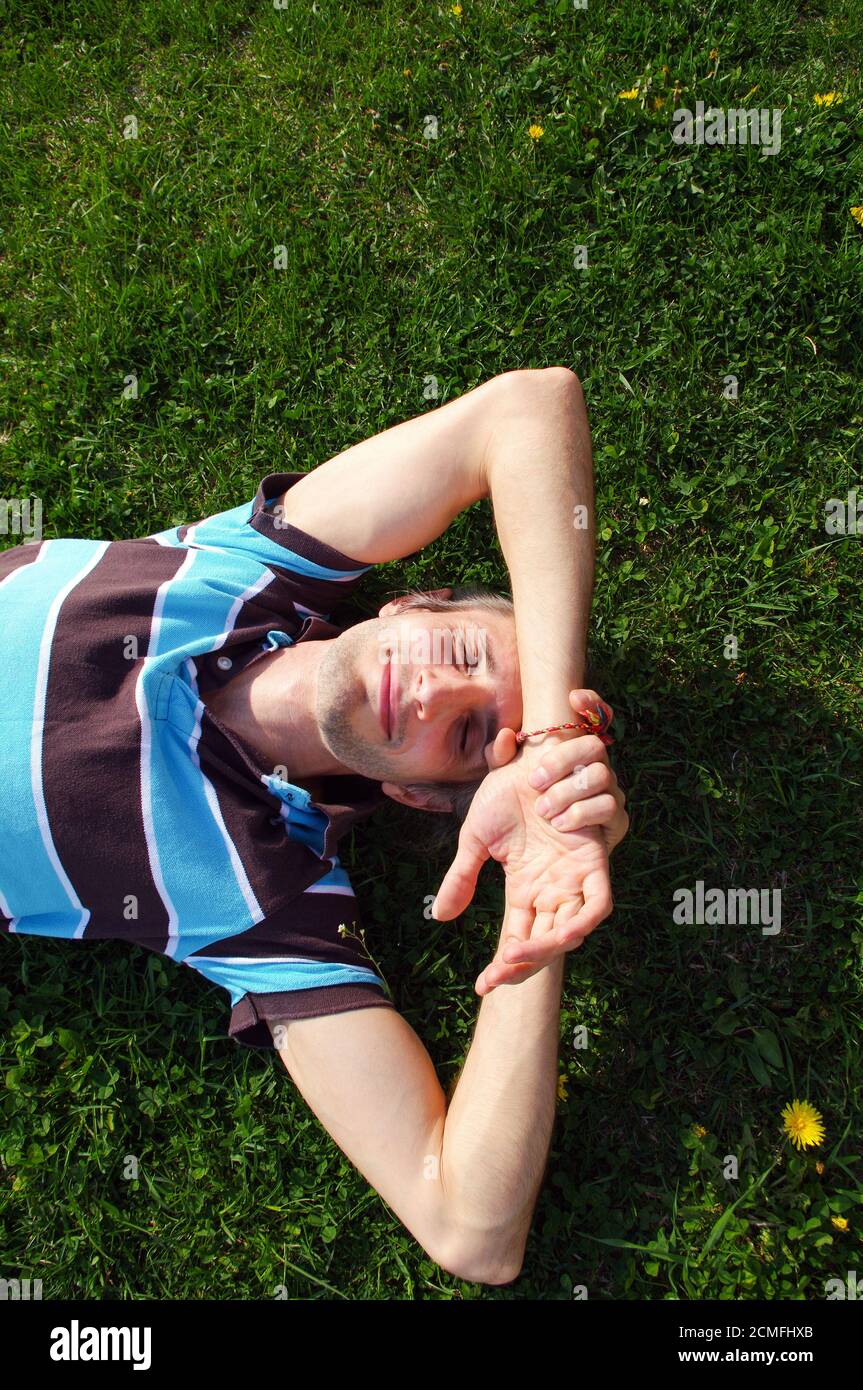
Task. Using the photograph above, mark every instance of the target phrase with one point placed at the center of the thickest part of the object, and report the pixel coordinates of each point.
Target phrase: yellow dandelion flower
(456, 9)
(536, 132)
(827, 98)
(857, 214)
(840, 1223)
(803, 1124)
(561, 1086)
(658, 103)
(699, 1131)
(629, 95)
(819, 1167)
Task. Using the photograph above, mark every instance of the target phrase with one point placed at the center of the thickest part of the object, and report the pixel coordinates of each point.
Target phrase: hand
(557, 883)
(577, 793)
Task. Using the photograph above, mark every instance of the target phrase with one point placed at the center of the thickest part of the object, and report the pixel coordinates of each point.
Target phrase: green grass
(409, 258)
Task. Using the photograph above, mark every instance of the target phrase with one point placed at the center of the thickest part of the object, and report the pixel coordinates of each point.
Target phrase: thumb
(459, 883)
(595, 711)
(502, 750)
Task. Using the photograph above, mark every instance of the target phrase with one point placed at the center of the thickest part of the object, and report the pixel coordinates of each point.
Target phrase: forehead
(472, 634)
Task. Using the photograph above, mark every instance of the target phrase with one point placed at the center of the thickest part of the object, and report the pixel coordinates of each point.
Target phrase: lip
(393, 700)
(384, 698)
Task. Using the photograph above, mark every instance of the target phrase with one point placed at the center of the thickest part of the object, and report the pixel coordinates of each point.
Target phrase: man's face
(417, 696)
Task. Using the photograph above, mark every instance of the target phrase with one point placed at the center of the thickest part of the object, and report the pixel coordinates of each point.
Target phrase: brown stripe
(92, 740)
(249, 1018)
(321, 595)
(308, 926)
(18, 555)
(278, 868)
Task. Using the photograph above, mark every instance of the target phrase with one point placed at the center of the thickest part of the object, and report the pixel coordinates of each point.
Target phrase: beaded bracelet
(595, 721)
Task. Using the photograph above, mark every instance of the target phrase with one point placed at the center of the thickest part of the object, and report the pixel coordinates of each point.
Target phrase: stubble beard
(339, 694)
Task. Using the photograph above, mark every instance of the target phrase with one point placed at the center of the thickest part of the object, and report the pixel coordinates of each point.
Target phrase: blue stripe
(201, 882)
(336, 878)
(273, 977)
(230, 532)
(34, 886)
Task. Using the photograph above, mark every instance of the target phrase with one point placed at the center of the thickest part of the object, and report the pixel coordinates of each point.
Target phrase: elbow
(532, 388)
(477, 1266)
(481, 1258)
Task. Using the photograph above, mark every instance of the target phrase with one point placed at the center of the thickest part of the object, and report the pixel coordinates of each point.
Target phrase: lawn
(237, 238)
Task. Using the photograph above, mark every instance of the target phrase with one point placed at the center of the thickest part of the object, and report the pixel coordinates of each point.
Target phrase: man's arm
(538, 472)
(522, 439)
(462, 1178)
(397, 491)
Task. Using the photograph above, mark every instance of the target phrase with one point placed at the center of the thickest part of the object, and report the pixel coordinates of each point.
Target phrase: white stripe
(332, 888)
(7, 912)
(263, 960)
(39, 703)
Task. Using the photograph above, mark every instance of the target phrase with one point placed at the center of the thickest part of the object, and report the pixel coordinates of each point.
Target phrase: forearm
(539, 475)
(499, 1121)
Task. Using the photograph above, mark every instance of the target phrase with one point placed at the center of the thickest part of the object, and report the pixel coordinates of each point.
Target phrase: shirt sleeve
(304, 961)
(316, 575)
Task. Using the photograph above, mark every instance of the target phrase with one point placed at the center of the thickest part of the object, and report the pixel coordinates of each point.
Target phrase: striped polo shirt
(128, 811)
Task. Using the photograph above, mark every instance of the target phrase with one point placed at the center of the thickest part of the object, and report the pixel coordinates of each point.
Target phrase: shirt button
(224, 663)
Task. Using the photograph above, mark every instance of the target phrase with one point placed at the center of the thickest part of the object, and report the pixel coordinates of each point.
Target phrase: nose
(437, 692)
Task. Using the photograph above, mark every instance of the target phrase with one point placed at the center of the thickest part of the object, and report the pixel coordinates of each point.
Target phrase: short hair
(460, 794)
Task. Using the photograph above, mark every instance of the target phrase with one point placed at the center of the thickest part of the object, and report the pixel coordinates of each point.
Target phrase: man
(186, 736)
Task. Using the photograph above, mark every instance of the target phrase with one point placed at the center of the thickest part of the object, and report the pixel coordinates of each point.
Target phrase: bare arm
(522, 439)
(539, 474)
(463, 1180)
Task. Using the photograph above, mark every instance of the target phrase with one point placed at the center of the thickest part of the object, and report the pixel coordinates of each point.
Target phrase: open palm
(557, 882)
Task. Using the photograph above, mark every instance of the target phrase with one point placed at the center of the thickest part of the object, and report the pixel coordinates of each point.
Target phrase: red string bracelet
(595, 721)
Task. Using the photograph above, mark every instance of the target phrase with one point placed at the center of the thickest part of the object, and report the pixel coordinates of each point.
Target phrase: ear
(421, 800)
(395, 605)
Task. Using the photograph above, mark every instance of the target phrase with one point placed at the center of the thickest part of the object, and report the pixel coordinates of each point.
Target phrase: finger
(543, 923)
(599, 810)
(598, 904)
(459, 882)
(517, 927)
(511, 952)
(499, 973)
(587, 780)
(584, 699)
(559, 759)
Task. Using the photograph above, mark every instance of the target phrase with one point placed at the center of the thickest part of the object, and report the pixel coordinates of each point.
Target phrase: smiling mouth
(384, 697)
(393, 701)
